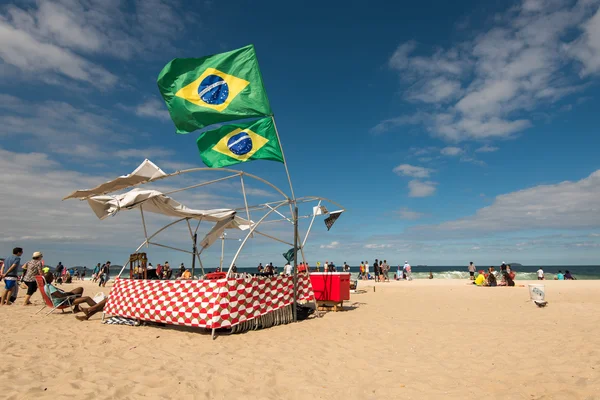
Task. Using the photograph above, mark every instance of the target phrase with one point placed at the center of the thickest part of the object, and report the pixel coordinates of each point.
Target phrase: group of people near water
(381, 271)
(504, 277)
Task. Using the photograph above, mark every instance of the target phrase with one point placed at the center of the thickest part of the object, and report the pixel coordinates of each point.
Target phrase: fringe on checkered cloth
(121, 321)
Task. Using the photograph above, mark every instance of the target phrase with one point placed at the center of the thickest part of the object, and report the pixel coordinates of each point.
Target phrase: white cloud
(151, 152)
(377, 246)
(421, 188)
(487, 87)
(587, 47)
(413, 171)
(53, 39)
(486, 149)
(60, 128)
(408, 214)
(332, 245)
(153, 108)
(452, 151)
(22, 50)
(565, 205)
(435, 90)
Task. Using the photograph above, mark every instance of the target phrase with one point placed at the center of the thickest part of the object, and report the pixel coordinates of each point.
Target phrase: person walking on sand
(366, 270)
(540, 274)
(104, 274)
(96, 273)
(34, 268)
(472, 271)
(9, 274)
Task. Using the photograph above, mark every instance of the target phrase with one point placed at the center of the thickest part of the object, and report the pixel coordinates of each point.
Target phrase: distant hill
(515, 264)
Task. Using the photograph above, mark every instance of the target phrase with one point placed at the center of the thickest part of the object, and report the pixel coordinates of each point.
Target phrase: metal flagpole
(284, 161)
(194, 255)
(222, 251)
(294, 307)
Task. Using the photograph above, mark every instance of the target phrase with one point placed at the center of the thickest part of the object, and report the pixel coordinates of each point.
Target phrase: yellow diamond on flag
(213, 89)
(240, 144)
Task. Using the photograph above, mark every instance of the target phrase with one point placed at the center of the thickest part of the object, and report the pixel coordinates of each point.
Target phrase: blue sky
(451, 132)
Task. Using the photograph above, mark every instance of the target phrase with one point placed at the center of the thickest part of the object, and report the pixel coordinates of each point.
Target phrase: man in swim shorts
(9, 274)
(472, 271)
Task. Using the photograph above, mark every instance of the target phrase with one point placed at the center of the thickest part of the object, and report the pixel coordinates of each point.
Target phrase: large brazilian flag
(240, 142)
(204, 91)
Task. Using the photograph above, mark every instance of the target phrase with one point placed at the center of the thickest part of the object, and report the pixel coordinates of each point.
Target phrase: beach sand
(426, 339)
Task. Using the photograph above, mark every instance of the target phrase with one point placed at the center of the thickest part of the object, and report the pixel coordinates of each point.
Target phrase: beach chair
(53, 303)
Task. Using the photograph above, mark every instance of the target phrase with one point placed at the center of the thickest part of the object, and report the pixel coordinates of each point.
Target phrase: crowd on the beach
(381, 271)
(34, 275)
(506, 275)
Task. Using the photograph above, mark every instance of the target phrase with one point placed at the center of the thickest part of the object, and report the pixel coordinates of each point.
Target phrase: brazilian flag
(204, 91)
(240, 142)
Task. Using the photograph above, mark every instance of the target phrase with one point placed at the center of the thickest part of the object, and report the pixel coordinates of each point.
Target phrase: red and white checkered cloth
(207, 304)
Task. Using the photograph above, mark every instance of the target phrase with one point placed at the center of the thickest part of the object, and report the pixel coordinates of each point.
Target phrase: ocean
(524, 272)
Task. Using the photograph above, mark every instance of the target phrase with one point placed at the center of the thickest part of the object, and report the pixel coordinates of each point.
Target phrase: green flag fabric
(204, 91)
(289, 255)
(240, 142)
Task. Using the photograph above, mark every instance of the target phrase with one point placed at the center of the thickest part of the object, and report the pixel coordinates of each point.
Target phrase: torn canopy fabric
(145, 172)
(159, 203)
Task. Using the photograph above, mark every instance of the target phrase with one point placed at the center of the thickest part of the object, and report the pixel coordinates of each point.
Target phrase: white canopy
(145, 172)
(156, 202)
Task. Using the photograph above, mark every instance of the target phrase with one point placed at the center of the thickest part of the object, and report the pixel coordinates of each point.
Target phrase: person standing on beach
(9, 274)
(361, 271)
(96, 273)
(472, 271)
(59, 272)
(34, 268)
(408, 271)
(104, 274)
(540, 274)
(366, 270)
(386, 271)
(376, 269)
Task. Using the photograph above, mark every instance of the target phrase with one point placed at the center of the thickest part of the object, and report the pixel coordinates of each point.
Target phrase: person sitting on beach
(68, 278)
(56, 293)
(559, 276)
(490, 280)
(96, 308)
(480, 279)
(185, 275)
(568, 276)
(507, 280)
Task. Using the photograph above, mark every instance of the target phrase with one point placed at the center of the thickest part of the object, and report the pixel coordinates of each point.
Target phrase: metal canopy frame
(268, 208)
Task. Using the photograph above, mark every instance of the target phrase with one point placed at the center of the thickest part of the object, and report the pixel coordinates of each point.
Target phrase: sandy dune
(415, 340)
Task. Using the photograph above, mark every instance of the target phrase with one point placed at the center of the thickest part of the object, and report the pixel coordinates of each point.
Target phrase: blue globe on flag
(213, 90)
(240, 144)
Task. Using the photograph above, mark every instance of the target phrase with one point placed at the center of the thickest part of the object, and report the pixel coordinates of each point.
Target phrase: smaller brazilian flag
(240, 142)
(205, 91)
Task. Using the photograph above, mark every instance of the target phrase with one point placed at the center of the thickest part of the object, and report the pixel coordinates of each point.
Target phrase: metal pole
(284, 161)
(194, 256)
(310, 226)
(245, 199)
(295, 261)
(222, 251)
